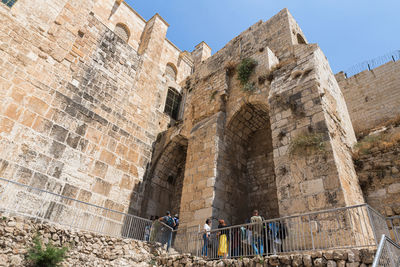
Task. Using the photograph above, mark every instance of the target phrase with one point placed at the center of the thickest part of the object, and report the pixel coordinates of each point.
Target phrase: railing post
(73, 218)
(197, 243)
(311, 232)
(104, 222)
(230, 244)
(2, 194)
(372, 225)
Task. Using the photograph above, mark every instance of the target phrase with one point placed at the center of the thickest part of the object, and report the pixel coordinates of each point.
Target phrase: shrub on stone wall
(380, 141)
(45, 256)
(244, 70)
(307, 144)
(249, 87)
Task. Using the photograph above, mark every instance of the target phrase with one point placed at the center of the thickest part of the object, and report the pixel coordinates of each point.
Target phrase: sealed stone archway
(163, 185)
(248, 167)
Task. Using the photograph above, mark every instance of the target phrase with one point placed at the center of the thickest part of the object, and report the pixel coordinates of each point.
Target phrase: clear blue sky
(348, 31)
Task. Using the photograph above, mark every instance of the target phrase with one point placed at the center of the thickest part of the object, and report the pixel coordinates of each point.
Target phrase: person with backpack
(168, 220)
(176, 221)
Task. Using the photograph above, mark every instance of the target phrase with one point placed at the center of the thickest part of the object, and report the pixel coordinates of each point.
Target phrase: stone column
(312, 138)
(198, 191)
(307, 106)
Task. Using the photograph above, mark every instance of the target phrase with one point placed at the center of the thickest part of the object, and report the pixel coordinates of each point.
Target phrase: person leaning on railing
(167, 237)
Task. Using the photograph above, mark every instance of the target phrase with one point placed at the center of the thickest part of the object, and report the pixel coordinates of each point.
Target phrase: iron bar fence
(388, 253)
(347, 227)
(42, 205)
(372, 63)
(394, 227)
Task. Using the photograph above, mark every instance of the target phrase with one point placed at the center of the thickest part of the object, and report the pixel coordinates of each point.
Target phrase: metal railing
(42, 205)
(378, 223)
(394, 227)
(388, 253)
(372, 63)
(349, 227)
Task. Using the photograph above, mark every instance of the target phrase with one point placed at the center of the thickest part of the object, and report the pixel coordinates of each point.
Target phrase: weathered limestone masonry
(373, 97)
(238, 142)
(340, 258)
(379, 174)
(80, 107)
(96, 104)
(84, 249)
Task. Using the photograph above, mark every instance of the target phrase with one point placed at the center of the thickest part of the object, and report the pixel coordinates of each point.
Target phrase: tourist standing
(223, 239)
(155, 229)
(168, 220)
(257, 240)
(206, 236)
(147, 230)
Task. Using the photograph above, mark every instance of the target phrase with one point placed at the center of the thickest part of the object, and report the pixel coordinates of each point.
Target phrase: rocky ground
(85, 249)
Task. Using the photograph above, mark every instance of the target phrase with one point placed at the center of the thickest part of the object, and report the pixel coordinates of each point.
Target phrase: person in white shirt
(206, 236)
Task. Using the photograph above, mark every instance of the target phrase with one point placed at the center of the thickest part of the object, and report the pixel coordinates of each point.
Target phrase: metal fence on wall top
(372, 63)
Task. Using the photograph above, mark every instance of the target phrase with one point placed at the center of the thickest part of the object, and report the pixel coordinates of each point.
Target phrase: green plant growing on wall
(213, 94)
(244, 70)
(306, 144)
(45, 256)
(249, 87)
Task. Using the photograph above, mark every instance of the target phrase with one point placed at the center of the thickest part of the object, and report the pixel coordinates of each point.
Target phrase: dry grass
(381, 141)
(394, 122)
(306, 144)
(230, 67)
(284, 63)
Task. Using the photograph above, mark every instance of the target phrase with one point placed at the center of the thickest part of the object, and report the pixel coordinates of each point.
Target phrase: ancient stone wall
(212, 100)
(79, 107)
(379, 175)
(111, 14)
(340, 258)
(304, 100)
(84, 248)
(293, 92)
(372, 97)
